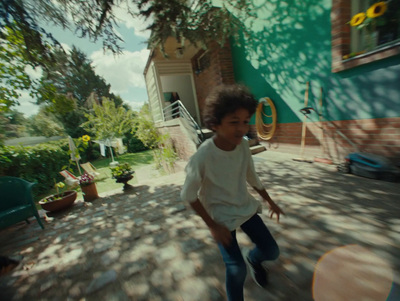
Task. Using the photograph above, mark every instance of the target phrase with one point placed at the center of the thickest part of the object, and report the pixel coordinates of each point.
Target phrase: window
(382, 31)
(352, 47)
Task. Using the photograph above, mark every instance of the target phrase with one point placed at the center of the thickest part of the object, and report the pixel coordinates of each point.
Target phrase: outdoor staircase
(254, 145)
(195, 133)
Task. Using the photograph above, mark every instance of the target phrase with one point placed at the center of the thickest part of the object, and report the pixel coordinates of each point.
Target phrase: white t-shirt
(218, 179)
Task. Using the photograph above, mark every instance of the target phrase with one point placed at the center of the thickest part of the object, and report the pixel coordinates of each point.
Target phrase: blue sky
(123, 72)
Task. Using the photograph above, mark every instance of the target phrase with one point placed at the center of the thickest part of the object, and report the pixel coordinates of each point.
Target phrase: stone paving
(145, 244)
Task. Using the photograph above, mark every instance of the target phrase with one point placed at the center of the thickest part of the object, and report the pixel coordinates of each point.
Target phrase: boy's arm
(219, 232)
(274, 208)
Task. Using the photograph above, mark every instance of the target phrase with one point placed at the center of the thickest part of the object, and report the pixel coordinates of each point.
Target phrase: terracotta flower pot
(89, 192)
(59, 201)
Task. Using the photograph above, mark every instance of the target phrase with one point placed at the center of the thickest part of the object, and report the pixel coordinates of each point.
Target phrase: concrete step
(206, 133)
(257, 149)
(254, 145)
(253, 142)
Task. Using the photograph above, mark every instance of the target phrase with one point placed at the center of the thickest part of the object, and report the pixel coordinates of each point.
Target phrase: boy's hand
(274, 209)
(221, 234)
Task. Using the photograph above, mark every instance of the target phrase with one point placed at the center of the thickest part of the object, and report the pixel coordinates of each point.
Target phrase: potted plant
(60, 200)
(88, 186)
(122, 174)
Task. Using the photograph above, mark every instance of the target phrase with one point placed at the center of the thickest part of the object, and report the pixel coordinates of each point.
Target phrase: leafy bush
(162, 146)
(40, 164)
(121, 171)
(134, 144)
(91, 153)
(88, 153)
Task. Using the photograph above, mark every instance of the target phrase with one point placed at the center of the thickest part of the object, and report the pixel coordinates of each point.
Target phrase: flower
(362, 19)
(357, 19)
(85, 138)
(54, 197)
(121, 171)
(373, 27)
(86, 180)
(376, 10)
(58, 185)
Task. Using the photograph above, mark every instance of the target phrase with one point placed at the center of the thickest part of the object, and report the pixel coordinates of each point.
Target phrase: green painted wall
(290, 44)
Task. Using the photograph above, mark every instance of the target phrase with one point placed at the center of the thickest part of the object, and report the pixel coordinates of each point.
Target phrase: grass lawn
(104, 182)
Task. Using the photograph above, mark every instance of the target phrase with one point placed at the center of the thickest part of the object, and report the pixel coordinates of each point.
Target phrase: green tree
(196, 21)
(70, 87)
(88, 19)
(108, 121)
(12, 125)
(145, 128)
(72, 77)
(13, 76)
(163, 151)
(45, 124)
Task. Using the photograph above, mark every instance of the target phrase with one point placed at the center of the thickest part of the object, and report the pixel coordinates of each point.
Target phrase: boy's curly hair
(227, 99)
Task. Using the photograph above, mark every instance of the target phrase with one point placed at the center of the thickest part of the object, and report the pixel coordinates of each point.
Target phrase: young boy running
(215, 187)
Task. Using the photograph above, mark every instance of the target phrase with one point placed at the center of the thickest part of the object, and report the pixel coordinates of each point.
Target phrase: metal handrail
(177, 109)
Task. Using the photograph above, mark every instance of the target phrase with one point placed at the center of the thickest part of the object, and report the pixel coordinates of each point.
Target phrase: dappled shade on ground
(145, 244)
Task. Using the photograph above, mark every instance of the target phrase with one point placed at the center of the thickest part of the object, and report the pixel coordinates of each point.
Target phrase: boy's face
(230, 132)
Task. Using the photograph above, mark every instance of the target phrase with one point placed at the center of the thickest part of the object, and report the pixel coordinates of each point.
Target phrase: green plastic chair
(16, 202)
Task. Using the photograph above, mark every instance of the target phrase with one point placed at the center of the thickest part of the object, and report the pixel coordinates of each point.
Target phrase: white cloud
(27, 106)
(67, 48)
(123, 71)
(34, 73)
(138, 24)
(135, 105)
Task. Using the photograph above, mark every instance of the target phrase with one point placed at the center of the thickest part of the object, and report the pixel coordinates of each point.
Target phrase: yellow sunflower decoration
(362, 19)
(377, 10)
(358, 19)
(85, 138)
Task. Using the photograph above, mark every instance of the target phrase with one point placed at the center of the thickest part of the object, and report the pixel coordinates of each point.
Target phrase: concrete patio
(145, 244)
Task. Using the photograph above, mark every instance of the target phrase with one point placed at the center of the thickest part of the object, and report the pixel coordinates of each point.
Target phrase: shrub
(40, 164)
(134, 144)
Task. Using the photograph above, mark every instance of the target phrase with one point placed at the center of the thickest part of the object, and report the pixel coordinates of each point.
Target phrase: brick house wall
(181, 141)
(219, 71)
(376, 136)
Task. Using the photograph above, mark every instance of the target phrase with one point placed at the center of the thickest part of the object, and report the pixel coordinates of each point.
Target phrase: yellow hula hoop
(265, 131)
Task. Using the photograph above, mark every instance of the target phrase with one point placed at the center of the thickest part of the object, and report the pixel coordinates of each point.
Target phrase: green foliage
(133, 143)
(13, 76)
(92, 19)
(145, 129)
(71, 80)
(196, 21)
(85, 149)
(91, 153)
(41, 163)
(164, 153)
(12, 125)
(69, 88)
(108, 121)
(45, 124)
(70, 121)
(121, 171)
(199, 23)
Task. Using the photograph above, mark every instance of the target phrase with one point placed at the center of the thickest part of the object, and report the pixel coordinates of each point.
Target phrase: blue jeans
(266, 248)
